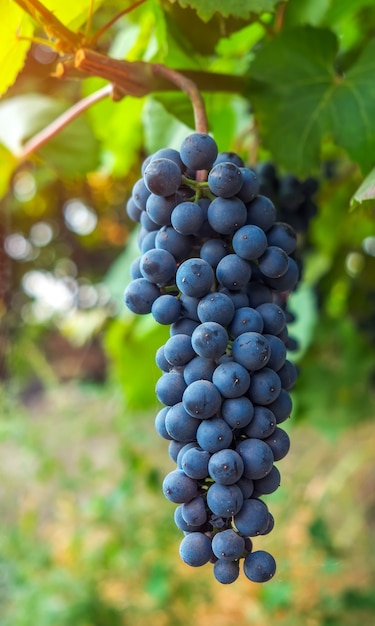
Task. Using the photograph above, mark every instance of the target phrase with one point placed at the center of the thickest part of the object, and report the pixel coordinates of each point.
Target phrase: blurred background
(87, 538)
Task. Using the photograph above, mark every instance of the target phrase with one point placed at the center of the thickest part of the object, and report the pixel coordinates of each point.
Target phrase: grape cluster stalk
(217, 266)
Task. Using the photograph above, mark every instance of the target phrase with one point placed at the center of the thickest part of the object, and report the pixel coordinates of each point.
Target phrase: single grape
(252, 518)
(224, 500)
(201, 399)
(226, 466)
(214, 434)
(162, 177)
(194, 277)
(179, 488)
(226, 572)
(228, 545)
(140, 295)
(225, 179)
(198, 151)
(259, 566)
(210, 340)
(257, 457)
(226, 215)
(195, 549)
(233, 272)
(252, 350)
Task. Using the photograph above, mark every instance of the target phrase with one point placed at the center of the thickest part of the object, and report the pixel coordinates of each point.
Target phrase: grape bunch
(217, 267)
(294, 198)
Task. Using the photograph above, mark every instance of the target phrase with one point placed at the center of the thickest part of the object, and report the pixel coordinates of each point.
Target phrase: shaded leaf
(14, 24)
(237, 8)
(300, 99)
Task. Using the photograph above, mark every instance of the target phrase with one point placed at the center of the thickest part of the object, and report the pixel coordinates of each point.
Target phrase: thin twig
(102, 30)
(63, 120)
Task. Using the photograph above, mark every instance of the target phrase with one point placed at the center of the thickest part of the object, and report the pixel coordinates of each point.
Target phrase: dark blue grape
(170, 388)
(160, 423)
(133, 211)
(239, 297)
(159, 208)
(194, 512)
(213, 251)
(216, 307)
(180, 425)
(147, 241)
(140, 295)
(261, 212)
(226, 215)
(278, 353)
(262, 425)
(231, 379)
(158, 266)
(252, 350)
(195, 277)
(175, 243)
(178, 350)
(288, 281)
(171, 154)
(269, 483)
(183, 326)
(233, 272)
(179, 488)
(282, 406)
(198, 151)
(140, 193)
(201, 399)
(181, 524)
(259, 566)
(195, 463)
(226, 572)
(279, 443)
(283, 236)
(228, 545)
(271, 524)
(247, 486)
(288, 375)
(250, 185)
(249, 242)
(225, 179)
(166, 309)
(273, 318)
(265, 386)
(229, 157)
(135, 271)
(162, 177)
(245, 319)
(189, 306)
(195, 549)
(237, 412)
(210, 340)
(199, 368)
(252, 518)
(161, 361)
(226, 466)
(148, 223)
(224, 500)
(274, 262)
(214, 434)
(257, 457)
(187, 218)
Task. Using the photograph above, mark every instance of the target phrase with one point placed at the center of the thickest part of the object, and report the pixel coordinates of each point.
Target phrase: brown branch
(63, 120)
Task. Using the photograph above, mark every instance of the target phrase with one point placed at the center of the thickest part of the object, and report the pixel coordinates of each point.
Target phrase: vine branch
(63, 120)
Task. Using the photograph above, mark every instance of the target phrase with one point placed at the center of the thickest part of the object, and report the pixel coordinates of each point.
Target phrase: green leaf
(118, 127)
(23, 116)
(237, 8)
(299, 99)
(366, 192)
(14, 24)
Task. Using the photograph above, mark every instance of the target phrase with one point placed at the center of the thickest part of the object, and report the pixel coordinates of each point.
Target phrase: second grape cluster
(217, 267)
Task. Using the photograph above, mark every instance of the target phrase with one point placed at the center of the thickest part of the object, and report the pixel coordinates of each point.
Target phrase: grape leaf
(14, 24)
(238, 8)
(299, 99)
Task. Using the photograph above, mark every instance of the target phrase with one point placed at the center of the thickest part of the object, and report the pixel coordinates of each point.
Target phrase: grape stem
(190, 88)
(63, 120)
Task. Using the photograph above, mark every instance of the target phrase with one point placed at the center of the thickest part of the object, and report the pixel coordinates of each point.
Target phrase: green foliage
(239, 8)
(13, 50)
(301, 99)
